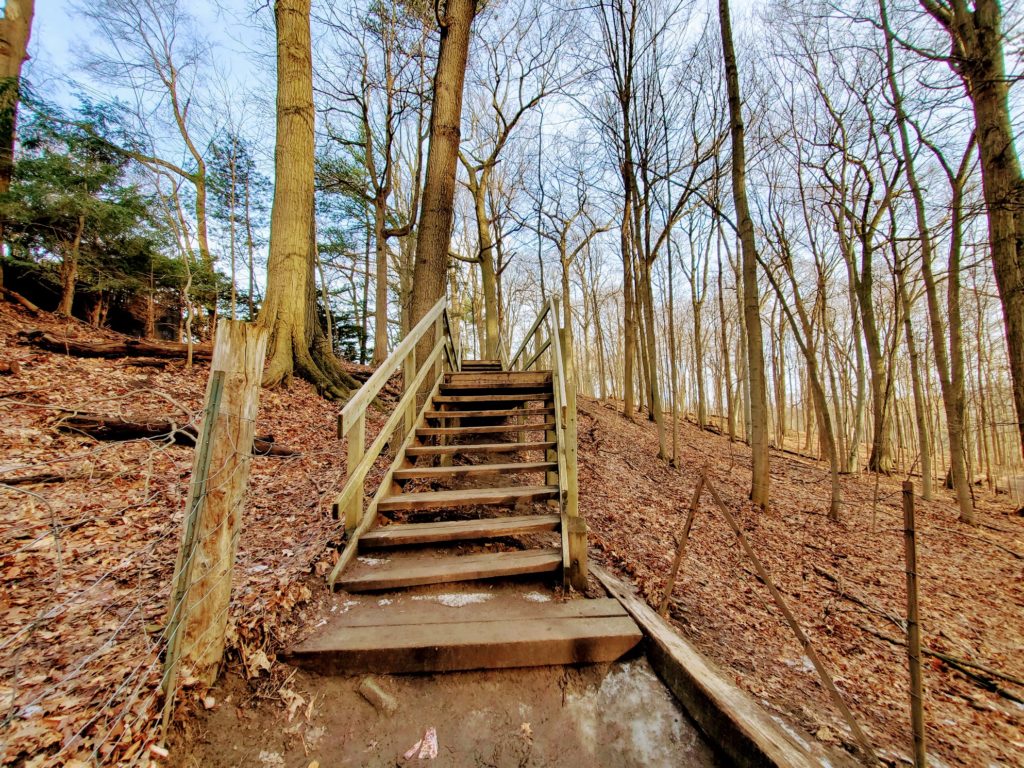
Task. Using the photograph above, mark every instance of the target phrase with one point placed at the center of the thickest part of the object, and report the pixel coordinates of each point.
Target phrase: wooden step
(493, 398)
(488, 430)
(481, 365)
(494, 413)
(442, 570)
(440, 473)
(406, 534)
(407, 637)
(467, 497)
(499, 381)
(460, 450)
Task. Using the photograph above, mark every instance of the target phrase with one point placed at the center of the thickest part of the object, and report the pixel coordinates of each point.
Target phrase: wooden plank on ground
(465, 497)
(405, 534)
(471, 645)
(434, 450)
(727, 715)
(474, 469)
(440, 570)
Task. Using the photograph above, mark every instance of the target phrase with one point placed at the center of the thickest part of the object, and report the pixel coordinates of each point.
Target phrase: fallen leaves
(89, 534)
(972, 593)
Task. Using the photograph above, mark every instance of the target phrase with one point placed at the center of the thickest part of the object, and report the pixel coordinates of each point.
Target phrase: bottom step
(420, 637)
(411, 572)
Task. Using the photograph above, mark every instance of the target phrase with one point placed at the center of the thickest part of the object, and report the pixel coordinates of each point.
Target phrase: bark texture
(434, 235)
(297, 344)
(759, 486)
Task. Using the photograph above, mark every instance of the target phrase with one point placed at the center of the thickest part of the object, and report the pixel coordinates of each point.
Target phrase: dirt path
(599, 715)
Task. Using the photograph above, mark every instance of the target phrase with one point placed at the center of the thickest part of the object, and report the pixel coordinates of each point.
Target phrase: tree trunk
(977, 56)
(288, 312)
(380, 296)
(434, 235)
(952, 391)
(760, 481)
(15, 28)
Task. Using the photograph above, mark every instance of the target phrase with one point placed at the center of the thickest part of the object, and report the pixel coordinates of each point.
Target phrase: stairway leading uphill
(483, 468)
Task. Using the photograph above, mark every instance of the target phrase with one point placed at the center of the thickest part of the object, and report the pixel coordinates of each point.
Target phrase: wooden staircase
(481, 495)
(476, 500)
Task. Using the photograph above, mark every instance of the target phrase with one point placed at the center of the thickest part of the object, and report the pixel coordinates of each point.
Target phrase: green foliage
(72, 195)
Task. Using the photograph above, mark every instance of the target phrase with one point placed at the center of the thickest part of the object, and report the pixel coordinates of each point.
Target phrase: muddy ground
(599, 715)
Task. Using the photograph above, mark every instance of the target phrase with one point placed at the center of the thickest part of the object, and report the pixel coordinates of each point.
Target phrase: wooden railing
(401, 425)
(553, 344)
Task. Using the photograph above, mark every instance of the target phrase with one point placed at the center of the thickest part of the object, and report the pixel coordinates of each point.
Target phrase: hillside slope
(841, 580)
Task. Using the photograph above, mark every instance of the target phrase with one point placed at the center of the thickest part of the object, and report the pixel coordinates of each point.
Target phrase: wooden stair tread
(446, 450)
(473, 469)
(499, 379)
(432, 638)
(407, 609)
(493, 398)
(440, 570)
(402, 534)
(542, 426)
(465, 497)
(490, 413)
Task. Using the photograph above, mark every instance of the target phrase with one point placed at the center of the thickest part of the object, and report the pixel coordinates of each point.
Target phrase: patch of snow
(271, 759)
(455, 599)
(384, 601)
(373, 561)
(537, 597)
(803, 664)
(459, 599)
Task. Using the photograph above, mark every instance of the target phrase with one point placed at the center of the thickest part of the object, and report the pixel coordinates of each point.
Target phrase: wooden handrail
(526, 339)
(365, 395)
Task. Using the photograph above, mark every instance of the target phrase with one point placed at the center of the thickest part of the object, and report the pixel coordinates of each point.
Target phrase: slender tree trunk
(760, 480)
(952, 392)
(69, 271)
(380, 296)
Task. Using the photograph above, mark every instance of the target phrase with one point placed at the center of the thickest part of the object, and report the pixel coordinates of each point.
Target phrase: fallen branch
(17, 298)
(153, 427)
(843, 592)
(125, 348)
(983, 674)
(40, 478)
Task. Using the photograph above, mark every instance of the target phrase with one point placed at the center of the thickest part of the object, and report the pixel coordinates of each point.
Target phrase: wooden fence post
(577, 526)
(913, 628)
(671, 583)
(218, 498)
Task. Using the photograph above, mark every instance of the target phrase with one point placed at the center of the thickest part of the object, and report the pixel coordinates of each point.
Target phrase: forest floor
(89, 533)
(844, 581)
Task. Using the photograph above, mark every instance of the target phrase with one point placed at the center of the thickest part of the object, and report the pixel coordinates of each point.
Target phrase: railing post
(356, 449)
(408, 375)
(577, 527)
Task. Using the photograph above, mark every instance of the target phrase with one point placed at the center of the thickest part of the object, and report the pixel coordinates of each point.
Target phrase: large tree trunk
(15, 28)
(434, 235)
(380, 296)
(296, 345)
(977, 56)
(759, 486)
